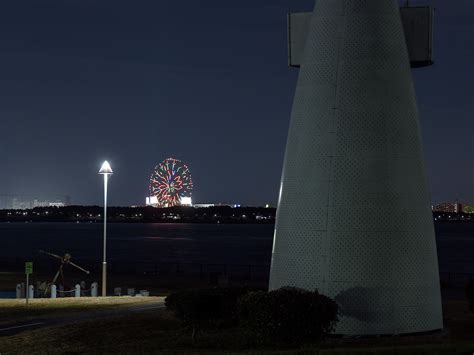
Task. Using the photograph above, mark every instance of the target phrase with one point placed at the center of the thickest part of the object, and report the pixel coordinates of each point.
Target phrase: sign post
(28, 271)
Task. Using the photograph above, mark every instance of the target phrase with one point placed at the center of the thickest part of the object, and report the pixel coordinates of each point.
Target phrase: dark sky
(203, 81)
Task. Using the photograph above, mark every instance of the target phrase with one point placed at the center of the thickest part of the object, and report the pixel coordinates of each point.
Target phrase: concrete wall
(354, 218)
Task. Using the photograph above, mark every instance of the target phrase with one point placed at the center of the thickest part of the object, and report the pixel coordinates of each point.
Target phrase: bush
(470, 294)
(203, 308)
(287, 315)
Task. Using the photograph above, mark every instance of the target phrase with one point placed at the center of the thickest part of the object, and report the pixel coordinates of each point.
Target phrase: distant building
(37, 203)
(56, 204)
(21, 205)
(17, 202)
(448, 207)
(153, 201)
(187, 201)
(453, 207)
(204, 205)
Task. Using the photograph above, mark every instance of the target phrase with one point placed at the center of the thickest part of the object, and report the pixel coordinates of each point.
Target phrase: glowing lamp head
(105, 169)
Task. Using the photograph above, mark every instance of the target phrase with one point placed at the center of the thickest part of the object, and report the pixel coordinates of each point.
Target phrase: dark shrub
(287, 315)
(202, 308)
(470, 294)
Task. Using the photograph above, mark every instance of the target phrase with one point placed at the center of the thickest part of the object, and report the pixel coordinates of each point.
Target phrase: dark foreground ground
(151, 330)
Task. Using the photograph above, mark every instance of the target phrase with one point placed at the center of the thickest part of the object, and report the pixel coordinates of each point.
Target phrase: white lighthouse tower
(354, 218)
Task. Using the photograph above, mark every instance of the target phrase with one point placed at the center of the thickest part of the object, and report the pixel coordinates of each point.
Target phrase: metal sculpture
(65, 260)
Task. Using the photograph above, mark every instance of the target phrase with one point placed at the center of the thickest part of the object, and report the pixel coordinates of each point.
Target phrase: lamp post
(105, 170)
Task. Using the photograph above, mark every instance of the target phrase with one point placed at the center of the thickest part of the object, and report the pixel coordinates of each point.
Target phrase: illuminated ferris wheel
(171, 183)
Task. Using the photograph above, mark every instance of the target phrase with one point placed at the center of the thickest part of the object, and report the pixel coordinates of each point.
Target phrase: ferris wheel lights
(170, 183)
(105, 168)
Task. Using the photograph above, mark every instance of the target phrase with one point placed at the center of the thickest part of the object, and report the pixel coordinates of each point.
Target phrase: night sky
(206, 82)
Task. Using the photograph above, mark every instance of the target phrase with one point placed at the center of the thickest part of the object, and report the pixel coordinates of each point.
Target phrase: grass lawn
(17, 310)
(159, 332)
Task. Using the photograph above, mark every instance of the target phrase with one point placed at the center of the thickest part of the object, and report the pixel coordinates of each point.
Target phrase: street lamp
(105, 170)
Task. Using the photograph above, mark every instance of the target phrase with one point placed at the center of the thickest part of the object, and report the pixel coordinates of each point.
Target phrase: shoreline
(136, 222)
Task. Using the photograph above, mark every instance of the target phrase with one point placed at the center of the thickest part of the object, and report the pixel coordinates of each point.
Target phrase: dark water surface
(190, 243)
(201, 243)
(455, 241)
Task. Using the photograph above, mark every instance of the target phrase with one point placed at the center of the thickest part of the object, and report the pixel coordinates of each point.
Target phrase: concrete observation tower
(354, 218)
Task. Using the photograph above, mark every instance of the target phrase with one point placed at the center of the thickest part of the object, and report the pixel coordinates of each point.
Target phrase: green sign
(29, 267)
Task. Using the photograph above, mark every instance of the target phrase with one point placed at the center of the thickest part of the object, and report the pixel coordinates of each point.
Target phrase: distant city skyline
(86, 81)
(12, 201)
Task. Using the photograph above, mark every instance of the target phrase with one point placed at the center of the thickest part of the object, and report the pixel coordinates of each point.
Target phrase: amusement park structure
(171, 184)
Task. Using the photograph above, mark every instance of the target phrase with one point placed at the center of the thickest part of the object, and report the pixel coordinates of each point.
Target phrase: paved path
(13, 327)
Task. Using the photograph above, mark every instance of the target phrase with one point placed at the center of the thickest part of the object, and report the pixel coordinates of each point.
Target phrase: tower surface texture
(354, 218)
